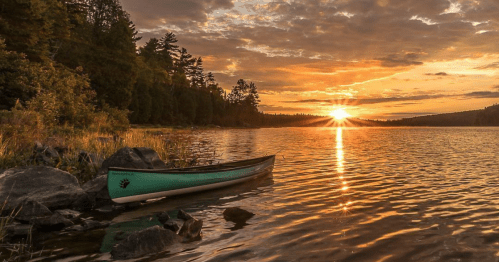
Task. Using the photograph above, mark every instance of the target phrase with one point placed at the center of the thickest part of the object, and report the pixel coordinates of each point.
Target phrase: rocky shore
(42, 199)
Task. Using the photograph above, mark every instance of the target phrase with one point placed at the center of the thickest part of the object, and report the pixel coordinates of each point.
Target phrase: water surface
(343, 194)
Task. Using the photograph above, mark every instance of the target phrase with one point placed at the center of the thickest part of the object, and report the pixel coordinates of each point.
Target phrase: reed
(174, 146)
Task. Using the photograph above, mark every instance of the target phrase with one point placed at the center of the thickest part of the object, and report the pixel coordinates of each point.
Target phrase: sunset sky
(377, 59)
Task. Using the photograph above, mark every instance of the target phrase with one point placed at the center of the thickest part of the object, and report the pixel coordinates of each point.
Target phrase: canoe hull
(129, 185)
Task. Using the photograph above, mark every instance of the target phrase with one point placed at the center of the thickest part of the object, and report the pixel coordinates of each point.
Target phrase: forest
(76, 63)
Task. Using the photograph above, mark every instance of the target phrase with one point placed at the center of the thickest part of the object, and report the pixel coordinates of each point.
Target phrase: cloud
(482, 94)
(437, 74)
(395, 60)
(367, 101)
(494, 65)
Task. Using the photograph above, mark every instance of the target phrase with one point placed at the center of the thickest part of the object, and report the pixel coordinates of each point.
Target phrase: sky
(376, 59)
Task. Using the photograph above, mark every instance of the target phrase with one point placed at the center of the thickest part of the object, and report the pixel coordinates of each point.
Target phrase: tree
(104, 45)
(34, 27)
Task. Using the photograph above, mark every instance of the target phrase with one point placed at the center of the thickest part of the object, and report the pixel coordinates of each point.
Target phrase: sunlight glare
(339, 114)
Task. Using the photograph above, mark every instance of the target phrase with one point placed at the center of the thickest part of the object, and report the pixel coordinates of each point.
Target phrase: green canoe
(128, 185)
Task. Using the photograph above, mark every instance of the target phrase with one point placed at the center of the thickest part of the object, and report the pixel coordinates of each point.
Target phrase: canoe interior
(201, 169)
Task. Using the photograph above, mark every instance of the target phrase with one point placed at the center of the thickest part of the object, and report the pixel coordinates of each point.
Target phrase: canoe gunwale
(199, 169)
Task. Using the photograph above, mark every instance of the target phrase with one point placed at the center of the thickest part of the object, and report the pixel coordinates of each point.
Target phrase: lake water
(339, 194)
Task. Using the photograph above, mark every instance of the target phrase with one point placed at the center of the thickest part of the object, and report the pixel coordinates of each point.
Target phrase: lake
(337, 194)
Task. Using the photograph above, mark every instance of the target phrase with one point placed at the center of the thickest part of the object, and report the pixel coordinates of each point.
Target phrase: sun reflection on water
(344, 205)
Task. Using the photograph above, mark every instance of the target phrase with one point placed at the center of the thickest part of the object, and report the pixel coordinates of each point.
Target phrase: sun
(339, 114)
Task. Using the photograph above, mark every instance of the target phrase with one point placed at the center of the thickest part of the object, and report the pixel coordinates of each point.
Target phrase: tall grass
(17, 150)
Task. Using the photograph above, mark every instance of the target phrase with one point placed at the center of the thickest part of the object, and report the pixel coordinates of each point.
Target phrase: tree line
(76, 63)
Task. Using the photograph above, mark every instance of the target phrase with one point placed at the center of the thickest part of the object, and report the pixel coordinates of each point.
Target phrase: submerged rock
(237, 215)
(183, 215)
(49, 186)
(163, 217)
(150, 240)
(191, 230)
(92, 224)
(171, 225)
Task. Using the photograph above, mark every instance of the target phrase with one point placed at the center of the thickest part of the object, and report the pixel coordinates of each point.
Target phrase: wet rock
(171, 225)
(31, 209)
(96, 189)
(19, 230)
(163, 217)
(68, 213)
(51, 187)
(76, 228)
(191, 230)
(55, 222)
(237, 215)
(92, 224)
(150, 240)
(183, 215)
(150, 157)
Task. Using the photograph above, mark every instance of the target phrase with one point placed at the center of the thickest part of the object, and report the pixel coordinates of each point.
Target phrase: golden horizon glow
(339, 114)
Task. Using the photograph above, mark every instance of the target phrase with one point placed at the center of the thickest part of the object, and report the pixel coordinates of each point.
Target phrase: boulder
(148, 241)
(183, 215)
(138, 157)
(150, 157)
(51, 187)
(55, 222)
(191, 230)
(96, 189)
(31, 209)
(237, 215)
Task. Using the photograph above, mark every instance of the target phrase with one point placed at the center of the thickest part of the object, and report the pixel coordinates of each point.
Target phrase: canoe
(129, 185)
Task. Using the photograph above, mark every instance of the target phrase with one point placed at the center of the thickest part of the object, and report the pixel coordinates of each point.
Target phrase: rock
(19, 230)
(183, 215)
(96, 189)
(150, 157)
(68, 213)
(91, 159)
(125, 157)
(44, 154)
(171, 225)
(191, 230)
(163, 217)
(237, 215)
(31, 209)
(77, 228)
(55, 222)
(51, 187)
(92, 224)
(148, 241)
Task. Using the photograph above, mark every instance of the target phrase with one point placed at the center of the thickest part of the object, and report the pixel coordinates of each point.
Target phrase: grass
(173, 146)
